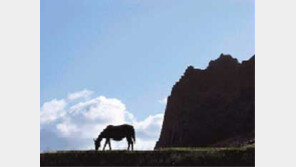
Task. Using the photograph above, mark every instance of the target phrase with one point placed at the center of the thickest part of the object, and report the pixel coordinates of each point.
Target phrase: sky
(115, 61)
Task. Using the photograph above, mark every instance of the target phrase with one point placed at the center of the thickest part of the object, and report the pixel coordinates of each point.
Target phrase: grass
(252, 146)
(225, 156)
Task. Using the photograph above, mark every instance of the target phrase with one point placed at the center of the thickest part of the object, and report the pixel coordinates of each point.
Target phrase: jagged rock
(212, 105)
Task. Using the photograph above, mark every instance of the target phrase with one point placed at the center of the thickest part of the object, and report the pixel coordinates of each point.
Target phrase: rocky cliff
(207, 107)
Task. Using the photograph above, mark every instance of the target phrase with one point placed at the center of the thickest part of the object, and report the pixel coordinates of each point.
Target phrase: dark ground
(229, 156)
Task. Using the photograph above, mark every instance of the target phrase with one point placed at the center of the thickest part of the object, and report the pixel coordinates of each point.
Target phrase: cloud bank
(72, 124)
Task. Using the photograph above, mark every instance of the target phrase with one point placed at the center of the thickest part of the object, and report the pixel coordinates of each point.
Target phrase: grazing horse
(116, 133)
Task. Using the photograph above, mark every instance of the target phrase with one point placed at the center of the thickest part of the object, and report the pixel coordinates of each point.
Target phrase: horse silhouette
(116, 133)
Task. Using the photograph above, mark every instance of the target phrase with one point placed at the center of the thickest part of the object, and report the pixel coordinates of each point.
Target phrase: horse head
(97, 144)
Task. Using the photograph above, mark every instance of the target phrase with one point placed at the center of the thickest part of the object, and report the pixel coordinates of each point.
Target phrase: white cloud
(66, 128)
(101, 108)
(94, 115)
(163, 101)
(148, 131)
(81, 94)
(52, 110)
(82, 121)
(152, 120)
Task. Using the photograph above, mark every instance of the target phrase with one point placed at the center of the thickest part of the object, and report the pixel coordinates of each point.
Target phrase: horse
(116, 133)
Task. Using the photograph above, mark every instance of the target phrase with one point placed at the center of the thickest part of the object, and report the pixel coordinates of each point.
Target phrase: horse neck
(100, 137)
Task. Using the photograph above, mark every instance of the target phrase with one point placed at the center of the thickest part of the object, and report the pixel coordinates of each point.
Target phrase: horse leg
(128, 143)
(105, 144)
(132, 146)
(109, 144)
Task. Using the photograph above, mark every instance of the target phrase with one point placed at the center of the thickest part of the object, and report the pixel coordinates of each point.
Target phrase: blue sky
(133, 50)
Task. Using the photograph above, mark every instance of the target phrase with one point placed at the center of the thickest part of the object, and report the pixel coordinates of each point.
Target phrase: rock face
(210, 106)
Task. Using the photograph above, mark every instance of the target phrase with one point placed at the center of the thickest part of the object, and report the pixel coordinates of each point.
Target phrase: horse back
(120, 131)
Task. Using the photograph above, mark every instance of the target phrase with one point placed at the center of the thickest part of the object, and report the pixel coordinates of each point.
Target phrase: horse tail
(133, 135)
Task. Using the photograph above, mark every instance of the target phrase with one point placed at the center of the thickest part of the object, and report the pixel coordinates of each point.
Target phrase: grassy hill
(230, 156)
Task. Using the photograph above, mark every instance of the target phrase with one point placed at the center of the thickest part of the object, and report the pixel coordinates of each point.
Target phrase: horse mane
(103, 133)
